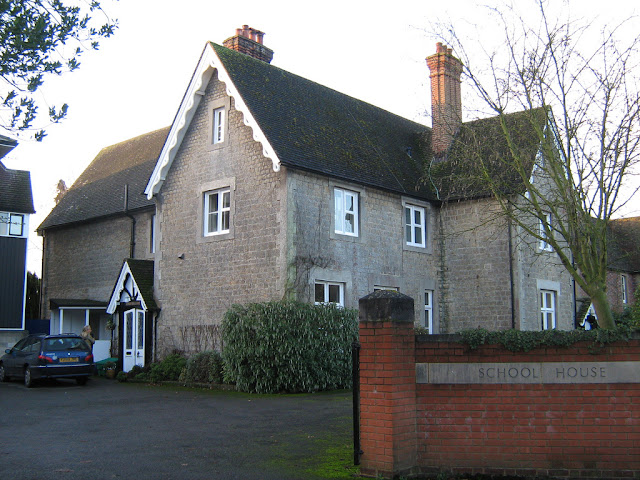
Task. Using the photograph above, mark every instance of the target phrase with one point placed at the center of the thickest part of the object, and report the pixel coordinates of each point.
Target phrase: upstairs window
(623, 289)
(544, 243)
(414, 226)
(218, 125)
(346, 212)
(12, 224)
(217, 212)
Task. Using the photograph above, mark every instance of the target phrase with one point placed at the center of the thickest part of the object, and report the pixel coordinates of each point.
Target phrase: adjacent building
(16, 206)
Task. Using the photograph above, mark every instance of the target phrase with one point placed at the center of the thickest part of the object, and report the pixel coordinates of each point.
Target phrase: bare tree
(576, 87)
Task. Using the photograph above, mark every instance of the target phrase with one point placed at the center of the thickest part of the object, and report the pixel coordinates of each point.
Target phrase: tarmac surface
(107, 430)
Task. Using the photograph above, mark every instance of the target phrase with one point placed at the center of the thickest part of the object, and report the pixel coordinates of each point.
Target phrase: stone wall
(199, 277)
(492, 272)
(83, 261)
(376, 258)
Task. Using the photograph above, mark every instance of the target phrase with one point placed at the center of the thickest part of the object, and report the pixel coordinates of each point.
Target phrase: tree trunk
(603, 310)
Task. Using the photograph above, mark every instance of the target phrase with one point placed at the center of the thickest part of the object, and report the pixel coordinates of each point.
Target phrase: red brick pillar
(388, 436)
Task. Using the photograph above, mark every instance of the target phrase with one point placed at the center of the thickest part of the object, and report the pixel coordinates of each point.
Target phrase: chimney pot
(249, 40)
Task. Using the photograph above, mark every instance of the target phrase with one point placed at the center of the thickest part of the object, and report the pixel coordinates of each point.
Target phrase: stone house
(269, 186)
(16, 206)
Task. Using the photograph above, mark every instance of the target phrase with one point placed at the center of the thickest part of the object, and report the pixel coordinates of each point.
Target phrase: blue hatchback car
(48, 356)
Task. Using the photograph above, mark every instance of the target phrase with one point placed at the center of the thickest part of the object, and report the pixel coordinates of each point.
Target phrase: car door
(13, 360)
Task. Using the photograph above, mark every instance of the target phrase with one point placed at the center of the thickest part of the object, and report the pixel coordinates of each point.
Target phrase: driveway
(108, 430)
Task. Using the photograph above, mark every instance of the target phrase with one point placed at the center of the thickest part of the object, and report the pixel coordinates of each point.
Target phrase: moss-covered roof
(142, 271)
(99, 191)
(480, 147)
(314, 128)
(624, 244)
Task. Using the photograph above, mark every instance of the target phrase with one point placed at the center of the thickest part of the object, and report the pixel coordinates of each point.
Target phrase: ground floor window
(428, 311)
(329, 292)
(548, 309)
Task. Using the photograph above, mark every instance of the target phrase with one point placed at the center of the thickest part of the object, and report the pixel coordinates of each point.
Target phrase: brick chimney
(446, 103)
(249, 41)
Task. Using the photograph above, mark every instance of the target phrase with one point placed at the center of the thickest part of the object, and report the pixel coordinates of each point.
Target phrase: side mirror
(8, 350)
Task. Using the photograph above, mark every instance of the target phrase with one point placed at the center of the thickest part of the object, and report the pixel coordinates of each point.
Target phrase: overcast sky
(372, 50)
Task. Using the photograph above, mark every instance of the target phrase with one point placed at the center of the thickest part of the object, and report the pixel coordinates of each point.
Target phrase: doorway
(134, 339)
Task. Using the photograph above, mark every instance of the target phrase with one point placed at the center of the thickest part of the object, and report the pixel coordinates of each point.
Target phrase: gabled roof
(6, 145)
(99, 191)
(624, 244)
(15, 191)
(480, 147)
(304, 125)
(135, 283)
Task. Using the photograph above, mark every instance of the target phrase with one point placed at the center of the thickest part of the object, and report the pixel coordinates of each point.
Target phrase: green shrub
(121, 376)
(288, 346)
(168, 369)
(205, 367)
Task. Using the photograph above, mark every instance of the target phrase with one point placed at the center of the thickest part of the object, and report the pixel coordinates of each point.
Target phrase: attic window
(218, 125)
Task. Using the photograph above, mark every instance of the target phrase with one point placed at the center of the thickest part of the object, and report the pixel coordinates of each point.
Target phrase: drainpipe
(132, 245)
(513, 301)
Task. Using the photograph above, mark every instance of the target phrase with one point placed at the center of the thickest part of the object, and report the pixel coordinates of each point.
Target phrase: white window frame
(341, 210)
(381, 287)
(411, 227)
(428, 311)
(152, 234)
(548, 311)
(623, 288)
(218, 132)
(544, 244)
(219, 212)
(326, 285)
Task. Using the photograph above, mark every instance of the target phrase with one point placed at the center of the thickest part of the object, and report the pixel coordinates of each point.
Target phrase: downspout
(132, 245)
(511, 279)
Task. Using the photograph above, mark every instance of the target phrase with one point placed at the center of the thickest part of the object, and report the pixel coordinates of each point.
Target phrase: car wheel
(3, 375)
(28, 381)
(81, 380)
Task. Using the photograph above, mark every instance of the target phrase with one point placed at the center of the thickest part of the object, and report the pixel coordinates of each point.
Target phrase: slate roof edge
(40, 229)
(208, 63)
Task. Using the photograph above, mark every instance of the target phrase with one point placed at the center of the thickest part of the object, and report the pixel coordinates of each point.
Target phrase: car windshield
(59, 344)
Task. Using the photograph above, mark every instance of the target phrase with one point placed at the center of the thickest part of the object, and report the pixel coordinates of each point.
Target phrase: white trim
(428, 310)
(209, 61)
(128, 282)
(326, 285)
(413, 226)
(548, 310)
(340, 211)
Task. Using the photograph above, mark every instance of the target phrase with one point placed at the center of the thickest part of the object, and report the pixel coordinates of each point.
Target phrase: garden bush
(168, 369)
(288, 347)
(205, 367)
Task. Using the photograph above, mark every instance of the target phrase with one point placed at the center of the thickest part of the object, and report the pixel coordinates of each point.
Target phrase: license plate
(69, 360)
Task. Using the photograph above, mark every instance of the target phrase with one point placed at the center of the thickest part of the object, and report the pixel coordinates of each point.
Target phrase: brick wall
(572, 430)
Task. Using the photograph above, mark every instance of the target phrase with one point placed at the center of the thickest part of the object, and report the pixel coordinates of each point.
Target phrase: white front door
(133, 339)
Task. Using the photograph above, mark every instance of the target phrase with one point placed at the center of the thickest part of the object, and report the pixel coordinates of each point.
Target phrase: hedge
(288, 347)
